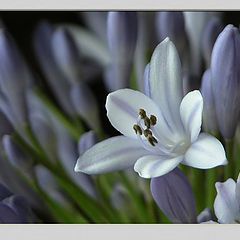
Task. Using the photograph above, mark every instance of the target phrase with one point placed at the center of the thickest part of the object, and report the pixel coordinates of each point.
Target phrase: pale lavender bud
(41, 125)
(172, 25)
(67, 54)
(173, 195)
(85, 104)
(226, 80)
(13, 208)
(15, 78)
(146, 41)
(122, 38)
(86, 141)
(48, 183)
(43, 48)
(210, 34)
(209, 110)
(119, 197)
(67, 154)
(15, 155)
(17, 184)
(97, 22)
(195, 23)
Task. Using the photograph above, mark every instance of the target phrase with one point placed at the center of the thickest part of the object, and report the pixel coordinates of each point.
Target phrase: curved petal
(113, 154)
(151, 166)
(191, 113)
(225, 205)
(123, 107)
(166, 85)
(207, 152)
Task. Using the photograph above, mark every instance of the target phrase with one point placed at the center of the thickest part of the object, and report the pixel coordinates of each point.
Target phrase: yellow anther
(142, 113)
(137, 129)
(153, 120)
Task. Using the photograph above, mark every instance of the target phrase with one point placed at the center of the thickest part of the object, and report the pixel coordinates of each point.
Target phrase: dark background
(21, 25)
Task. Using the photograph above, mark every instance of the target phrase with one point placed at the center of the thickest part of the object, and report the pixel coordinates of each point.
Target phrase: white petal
(191, 113)
(166, 85)
(113, 154)
(225, 205)
(207, 152)
(123, 107)
(153, 166)
(238, 195)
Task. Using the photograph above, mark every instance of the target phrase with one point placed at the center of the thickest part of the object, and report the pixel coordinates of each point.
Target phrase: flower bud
(16, 156)
(173, 195)
(67, 54)
(122, 37)
(15, 78)
(210, 34)
(172, 25)
(13, 208)
(86, 141)
(226, 80)
(85, 104)
(209, 110)
(44, 52)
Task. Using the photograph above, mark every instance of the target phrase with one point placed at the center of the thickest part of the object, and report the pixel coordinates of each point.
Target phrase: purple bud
(13, 208)
(15, 155)
(210, 34)
(4, 192)
(97, 22)
(173, 195)
(226, 80)
(209, 110)
(48, 183)
(67, 54)
(86, 141)
(15, 78)
(17, 184)
(122, 38)
(172, 25)
(195, 23)
(58, 83)
(68, 153)
(85, 104)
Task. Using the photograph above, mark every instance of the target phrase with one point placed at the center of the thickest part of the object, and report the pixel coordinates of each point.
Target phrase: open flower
(227, 202)
(160, 131)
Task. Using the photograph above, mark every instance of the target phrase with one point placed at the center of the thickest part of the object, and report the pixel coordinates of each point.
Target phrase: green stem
(211, 179)
(198, 183)
(229, 170)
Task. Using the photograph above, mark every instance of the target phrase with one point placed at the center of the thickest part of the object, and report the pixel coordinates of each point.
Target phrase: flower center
(145, 128)
(146, 132)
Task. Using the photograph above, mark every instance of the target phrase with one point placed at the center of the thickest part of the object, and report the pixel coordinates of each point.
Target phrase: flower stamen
(148, 123)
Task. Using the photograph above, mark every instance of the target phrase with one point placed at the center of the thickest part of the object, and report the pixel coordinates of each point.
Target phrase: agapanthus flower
(160, 131)
(227, 202)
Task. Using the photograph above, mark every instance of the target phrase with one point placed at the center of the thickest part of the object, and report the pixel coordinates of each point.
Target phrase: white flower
(159, 132)
(227, 202)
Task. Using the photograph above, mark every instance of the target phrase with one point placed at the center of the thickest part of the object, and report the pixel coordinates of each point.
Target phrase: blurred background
(56, 70)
